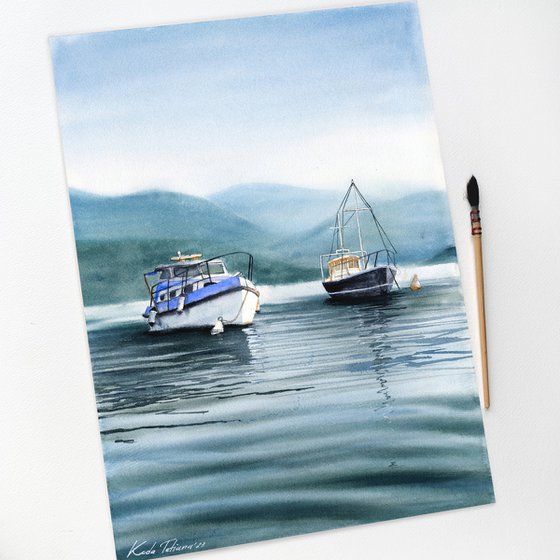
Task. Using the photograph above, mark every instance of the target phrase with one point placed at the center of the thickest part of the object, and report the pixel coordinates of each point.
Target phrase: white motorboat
(195, 293)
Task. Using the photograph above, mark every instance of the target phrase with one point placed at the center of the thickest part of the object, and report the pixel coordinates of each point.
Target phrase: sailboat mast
(358, 219)
(339, 225)
(340, 229)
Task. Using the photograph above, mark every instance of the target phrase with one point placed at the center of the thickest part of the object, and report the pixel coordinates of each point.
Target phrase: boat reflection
(142, 372)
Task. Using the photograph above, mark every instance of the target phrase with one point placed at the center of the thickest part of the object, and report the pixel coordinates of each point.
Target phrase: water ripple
(319, 415)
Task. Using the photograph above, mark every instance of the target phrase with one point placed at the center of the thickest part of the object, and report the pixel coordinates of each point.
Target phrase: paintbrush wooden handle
(477, 239)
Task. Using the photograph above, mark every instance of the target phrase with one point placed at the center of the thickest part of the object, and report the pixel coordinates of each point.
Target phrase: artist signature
(143, 549)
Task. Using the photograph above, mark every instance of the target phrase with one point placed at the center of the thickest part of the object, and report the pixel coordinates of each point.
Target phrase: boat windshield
(192, 271)
(165, 274)
(186, 271)
(216, 267)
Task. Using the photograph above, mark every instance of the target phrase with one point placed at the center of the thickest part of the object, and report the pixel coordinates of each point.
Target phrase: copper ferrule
(476, 227)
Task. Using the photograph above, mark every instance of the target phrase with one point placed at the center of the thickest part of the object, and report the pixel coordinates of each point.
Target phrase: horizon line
(401, 189)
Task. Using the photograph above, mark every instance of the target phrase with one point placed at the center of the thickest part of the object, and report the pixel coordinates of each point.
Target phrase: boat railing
(388, 258)
(383, 257)
(181, 288)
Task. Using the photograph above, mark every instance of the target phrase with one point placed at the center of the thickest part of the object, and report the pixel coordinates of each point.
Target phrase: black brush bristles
(472, 192)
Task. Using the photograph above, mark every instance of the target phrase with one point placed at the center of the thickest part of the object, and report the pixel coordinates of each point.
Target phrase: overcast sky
(312, 99)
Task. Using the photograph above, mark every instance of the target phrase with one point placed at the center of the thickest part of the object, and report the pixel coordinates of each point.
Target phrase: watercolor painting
(276, 326)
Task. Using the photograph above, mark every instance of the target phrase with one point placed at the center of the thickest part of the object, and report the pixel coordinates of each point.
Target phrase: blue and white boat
(349, 271)
(194, 293)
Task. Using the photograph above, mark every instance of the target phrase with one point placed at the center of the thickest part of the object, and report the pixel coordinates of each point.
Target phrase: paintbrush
(476, 230)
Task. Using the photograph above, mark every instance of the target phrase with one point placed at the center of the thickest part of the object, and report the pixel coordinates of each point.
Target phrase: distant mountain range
(286, 229)
(156, 214)
(281, 209)
(418, 225)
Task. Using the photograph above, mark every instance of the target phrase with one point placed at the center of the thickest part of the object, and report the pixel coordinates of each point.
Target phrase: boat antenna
(382, 233)
(339, 222)
(358, 217)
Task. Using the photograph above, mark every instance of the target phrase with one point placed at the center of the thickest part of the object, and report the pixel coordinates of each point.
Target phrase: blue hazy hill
(120, 237)
(418, 224)
(281, 209)
(155, 214)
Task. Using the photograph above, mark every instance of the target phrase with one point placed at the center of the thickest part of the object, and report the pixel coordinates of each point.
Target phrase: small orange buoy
(415, 284)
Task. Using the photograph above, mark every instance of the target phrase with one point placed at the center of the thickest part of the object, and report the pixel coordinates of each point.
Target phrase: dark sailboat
(350, 274)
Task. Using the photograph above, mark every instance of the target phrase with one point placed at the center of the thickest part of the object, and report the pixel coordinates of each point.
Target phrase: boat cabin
(343, 266)
(179, 279)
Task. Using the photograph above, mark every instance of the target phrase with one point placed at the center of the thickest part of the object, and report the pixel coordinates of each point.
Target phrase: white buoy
(415, 284)
(152, 317)
(218, 327)
(181, 303)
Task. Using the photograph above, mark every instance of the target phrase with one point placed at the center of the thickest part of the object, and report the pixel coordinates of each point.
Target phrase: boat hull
(236, 306)
(368, 284)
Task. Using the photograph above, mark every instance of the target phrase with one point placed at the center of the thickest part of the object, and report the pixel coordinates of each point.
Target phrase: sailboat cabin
(343, 266)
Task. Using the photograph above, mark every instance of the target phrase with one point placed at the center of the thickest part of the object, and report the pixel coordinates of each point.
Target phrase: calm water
(317, 416)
